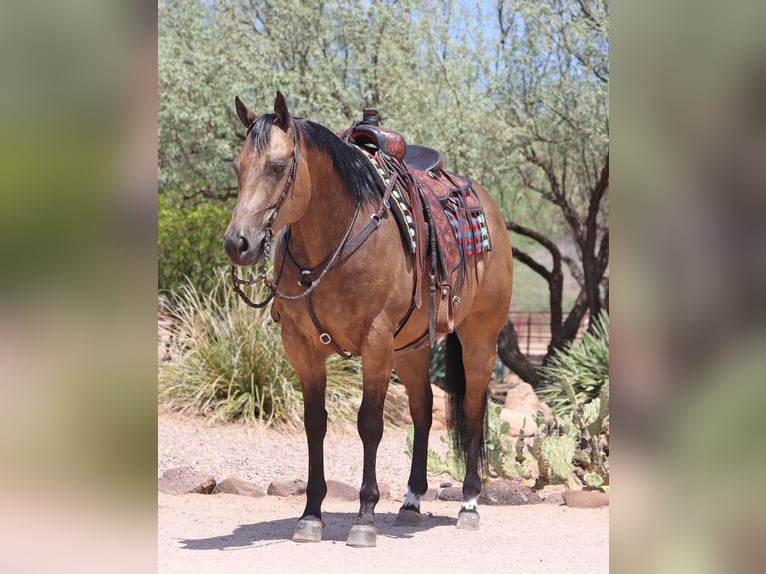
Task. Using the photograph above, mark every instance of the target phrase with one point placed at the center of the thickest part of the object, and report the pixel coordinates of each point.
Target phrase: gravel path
(224, 533)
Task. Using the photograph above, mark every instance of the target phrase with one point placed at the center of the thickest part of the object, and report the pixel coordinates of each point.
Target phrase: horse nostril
(243, 245)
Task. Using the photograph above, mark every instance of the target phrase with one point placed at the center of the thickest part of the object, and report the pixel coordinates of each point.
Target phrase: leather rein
(344, 251)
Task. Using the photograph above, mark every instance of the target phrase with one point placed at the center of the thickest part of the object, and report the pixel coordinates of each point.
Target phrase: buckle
(305, 281)
(325, 338)
(376, 219)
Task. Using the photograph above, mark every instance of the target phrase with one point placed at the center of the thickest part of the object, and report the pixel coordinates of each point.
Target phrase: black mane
(358, 175)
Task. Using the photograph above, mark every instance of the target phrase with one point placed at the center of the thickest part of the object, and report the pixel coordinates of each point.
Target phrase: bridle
(347, 247)
(236, 280)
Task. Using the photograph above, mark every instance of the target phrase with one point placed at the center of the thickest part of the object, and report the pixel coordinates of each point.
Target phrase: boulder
(522, 398)
(341, 490)
(185, 480)
(507, 493)
(554, 498)
(397, 407)
(451, 494)
(518, 419)
(238, 486)
(495, 493)
(585, 498)
(283, 488)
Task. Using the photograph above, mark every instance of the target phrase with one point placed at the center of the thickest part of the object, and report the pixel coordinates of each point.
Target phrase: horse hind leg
(468, 371)
(412, 369)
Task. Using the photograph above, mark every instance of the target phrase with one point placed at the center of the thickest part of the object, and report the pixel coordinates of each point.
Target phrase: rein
(345, 249)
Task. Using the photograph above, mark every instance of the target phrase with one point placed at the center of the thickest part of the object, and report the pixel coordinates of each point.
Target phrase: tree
(513, 93)
(555, 101)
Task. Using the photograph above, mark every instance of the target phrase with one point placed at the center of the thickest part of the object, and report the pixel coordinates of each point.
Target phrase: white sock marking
(412, 500)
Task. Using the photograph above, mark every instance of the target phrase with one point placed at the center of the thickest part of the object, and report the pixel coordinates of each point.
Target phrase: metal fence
(533, 330)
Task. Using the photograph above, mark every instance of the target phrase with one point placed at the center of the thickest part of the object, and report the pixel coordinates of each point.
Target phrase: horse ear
(245, 116)
(280, 108)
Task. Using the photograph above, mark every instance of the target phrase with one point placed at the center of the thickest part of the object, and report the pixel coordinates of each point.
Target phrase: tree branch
(509, 352)
(527, 260)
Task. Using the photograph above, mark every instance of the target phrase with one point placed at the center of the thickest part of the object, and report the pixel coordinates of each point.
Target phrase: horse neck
(321, 229)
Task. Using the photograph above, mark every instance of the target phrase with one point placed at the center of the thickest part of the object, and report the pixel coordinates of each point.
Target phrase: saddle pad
(400, 209)
(476, 237)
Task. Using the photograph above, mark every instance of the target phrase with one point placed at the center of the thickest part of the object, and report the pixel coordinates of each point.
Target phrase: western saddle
(446, 215)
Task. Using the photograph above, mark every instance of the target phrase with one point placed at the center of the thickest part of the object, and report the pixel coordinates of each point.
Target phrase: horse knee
(315, 422)
(370, 427)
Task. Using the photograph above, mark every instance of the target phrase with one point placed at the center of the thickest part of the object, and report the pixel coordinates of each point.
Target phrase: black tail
(455, 386)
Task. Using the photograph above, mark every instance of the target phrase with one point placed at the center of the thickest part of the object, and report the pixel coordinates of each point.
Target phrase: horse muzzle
(243, 251)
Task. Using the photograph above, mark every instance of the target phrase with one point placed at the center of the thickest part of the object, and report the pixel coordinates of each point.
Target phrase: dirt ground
(227, 533)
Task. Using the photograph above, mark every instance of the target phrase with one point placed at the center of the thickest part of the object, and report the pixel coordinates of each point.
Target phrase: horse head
(270, 194)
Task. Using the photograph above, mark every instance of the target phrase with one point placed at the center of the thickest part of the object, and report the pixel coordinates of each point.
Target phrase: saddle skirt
(440, 216)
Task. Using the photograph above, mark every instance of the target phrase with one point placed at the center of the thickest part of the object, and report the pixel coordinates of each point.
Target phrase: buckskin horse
(344, 283)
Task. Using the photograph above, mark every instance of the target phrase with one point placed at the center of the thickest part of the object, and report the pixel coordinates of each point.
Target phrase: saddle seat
(423, 158)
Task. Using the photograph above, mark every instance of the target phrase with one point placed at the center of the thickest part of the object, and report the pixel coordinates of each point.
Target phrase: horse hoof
(309, 529)
(468, 520)
(362, 536)
(407, 517)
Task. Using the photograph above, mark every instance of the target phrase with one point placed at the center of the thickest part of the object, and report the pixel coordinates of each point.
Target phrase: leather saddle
(442, 202)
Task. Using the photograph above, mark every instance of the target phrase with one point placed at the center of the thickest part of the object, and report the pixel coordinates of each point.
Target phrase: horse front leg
(310, 525)
(376, 373)
(312, 373)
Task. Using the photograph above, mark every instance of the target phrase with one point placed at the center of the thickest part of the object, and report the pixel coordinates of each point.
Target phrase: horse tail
(455, 386)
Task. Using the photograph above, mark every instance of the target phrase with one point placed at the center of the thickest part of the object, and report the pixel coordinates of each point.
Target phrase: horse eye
(278, 168)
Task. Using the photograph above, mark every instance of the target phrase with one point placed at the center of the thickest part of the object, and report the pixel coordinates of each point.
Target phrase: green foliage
(583, 367)
(231, 363)
(437, 368)
(435, 465)
(333, 59)
(571, 449)
(574, 449)
(189, 245)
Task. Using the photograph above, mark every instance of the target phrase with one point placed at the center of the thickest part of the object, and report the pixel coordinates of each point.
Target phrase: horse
(300, 178)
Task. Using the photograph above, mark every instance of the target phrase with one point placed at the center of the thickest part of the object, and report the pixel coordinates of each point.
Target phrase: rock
(235, 485)
(518, 419)
(554, 498)
(397, 406)
(341, 490)
(294, 487)
(495, 493)
(507, 493)
(185, 480)
(585, 498)
(439, 409)
(429, 496)
(451, 494)
(522, 398)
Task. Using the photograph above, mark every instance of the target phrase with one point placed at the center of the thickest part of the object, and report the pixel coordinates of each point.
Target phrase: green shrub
(585, 366)
(230, 364)
(574, 449)
(189, 245)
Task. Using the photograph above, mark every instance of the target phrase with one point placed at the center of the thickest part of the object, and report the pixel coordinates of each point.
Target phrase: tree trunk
(509, 352)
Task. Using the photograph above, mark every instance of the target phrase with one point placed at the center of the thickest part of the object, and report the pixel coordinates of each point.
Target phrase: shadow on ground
(337, 527)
